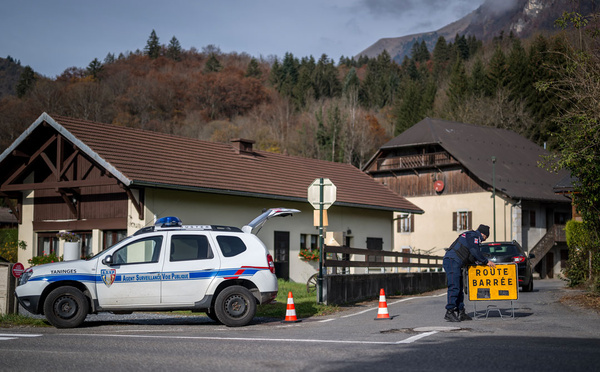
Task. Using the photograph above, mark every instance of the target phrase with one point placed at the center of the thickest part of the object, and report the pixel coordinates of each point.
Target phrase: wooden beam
(59, 185)
(23, 167)
(117, 223)
(70, 201)
(138, 205)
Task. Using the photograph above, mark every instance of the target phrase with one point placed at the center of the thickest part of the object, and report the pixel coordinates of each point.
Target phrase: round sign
(17, 270)
(438, 186)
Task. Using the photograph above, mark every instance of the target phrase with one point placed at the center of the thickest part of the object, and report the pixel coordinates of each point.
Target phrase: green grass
(304, 303)
(15, 320)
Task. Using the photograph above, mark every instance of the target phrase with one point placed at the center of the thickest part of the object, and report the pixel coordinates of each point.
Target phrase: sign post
(321, 194)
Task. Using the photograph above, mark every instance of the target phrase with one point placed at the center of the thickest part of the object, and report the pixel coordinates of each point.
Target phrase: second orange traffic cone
(290, 312)
(382, 313)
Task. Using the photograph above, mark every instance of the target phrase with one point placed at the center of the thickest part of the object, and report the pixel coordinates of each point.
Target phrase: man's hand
(491, 264)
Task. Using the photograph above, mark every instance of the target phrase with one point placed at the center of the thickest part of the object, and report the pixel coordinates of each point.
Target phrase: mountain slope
(521, 17)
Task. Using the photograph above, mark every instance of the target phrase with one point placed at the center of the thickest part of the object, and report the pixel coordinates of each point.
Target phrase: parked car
(501, 252)
(221, 270)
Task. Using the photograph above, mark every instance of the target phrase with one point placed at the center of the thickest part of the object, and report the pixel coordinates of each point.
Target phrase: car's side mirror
(108, 260)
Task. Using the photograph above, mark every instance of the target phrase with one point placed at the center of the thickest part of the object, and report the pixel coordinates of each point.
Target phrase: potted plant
(71, 247)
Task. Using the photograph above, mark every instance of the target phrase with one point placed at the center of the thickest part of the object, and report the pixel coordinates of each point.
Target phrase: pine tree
(304, 86)
(496, 73)
(212, 64)
(326, 82)
(477, 80)
(458, 87)
(110, 58)
(441, 56)
(26, 82)
(174, 49)
(152, 48)
(253, 70)
(519, 76)
(94, 68)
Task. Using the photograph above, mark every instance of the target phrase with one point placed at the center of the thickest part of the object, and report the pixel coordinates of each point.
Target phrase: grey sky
(52, 35)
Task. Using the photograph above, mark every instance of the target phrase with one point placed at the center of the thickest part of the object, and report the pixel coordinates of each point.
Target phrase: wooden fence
(370, 258)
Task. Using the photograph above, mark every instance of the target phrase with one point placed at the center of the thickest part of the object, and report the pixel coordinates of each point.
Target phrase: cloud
(395, 8)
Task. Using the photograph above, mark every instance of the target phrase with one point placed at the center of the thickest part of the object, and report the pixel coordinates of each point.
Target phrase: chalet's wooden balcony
(415, 161)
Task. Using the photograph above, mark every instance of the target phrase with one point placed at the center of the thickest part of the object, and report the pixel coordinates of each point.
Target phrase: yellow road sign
(493, 283)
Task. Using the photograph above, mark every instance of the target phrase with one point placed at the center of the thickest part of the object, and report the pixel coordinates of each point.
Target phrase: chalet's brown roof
(149, 159)
(517, 172)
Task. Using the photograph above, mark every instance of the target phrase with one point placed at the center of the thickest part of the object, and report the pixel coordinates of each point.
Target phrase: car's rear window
(500, 250)
(231, 245)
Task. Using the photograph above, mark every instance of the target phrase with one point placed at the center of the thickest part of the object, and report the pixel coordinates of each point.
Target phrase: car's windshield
(500, 250)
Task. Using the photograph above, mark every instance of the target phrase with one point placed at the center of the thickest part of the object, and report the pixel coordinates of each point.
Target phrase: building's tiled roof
(146, 158)
(517, 169)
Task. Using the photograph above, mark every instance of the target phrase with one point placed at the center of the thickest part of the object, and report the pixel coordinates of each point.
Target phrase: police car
(221, 270)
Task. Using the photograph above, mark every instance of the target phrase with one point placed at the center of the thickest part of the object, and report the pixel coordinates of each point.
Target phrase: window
(86, 243)
(141, 251)
(231, 245)
(190, 247)
(406, 223)
(461, 220)
(112, 237)
(375, 244)
(308, 241)
(528, 218)
(47, 244)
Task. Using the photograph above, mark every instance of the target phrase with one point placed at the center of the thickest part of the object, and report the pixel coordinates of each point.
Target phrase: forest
(304, 106)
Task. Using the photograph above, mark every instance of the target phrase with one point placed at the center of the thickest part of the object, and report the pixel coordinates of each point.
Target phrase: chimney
(243, 146)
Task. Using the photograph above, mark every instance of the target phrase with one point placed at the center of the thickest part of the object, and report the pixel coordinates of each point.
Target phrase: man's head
(484, 230)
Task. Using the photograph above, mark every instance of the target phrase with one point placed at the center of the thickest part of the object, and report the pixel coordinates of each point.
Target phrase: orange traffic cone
(290, 312)
(382, 313)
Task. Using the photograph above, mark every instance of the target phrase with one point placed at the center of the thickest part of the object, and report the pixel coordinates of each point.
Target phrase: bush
(10, 244)
(582, 249)
(47, 258)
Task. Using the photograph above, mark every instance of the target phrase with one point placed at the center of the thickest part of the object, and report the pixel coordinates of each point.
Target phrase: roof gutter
(135, 183)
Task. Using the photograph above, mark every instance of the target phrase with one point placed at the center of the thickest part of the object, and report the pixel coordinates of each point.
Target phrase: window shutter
(412, 223)
(469, 218)
(454, 217)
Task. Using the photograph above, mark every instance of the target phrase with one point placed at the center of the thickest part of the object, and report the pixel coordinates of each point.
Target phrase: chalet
(464, 175)
(104, 182)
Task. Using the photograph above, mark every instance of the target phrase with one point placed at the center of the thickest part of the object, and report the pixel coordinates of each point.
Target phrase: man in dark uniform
(464, 251)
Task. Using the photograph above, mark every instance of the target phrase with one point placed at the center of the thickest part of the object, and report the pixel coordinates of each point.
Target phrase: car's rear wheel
(66, 307)
(529, 286)
(235, 306)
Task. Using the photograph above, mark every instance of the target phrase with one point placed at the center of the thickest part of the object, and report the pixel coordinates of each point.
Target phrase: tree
(519, 76)
(94, 68)
(459, 85)
(253, 69)
(174, 49)
(577, 72)
(496, 73)
(152, 48)
(212, 64)
(26, 82)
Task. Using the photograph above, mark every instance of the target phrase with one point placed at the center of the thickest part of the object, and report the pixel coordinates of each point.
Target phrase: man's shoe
(451, 316)
(462, 315)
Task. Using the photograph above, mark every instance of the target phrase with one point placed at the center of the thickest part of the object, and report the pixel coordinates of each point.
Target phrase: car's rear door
(191, 264)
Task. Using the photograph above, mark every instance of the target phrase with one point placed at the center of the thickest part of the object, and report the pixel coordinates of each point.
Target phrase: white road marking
(12, 336)
(255, 339)
(414, 338)
(393, 303)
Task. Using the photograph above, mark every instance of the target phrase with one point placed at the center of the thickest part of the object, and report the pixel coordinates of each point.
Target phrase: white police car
(221, 270)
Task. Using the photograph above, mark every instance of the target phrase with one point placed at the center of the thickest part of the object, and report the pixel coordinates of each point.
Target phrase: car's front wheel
(66, 307)
(235, 306)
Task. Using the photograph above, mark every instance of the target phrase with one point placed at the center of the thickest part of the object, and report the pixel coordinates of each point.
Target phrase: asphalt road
(543, 335)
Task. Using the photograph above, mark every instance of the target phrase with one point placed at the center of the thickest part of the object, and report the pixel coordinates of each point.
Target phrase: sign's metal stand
(492, 308)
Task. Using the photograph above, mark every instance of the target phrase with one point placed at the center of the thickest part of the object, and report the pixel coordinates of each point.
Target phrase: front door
(282, 254)
(133, 278)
